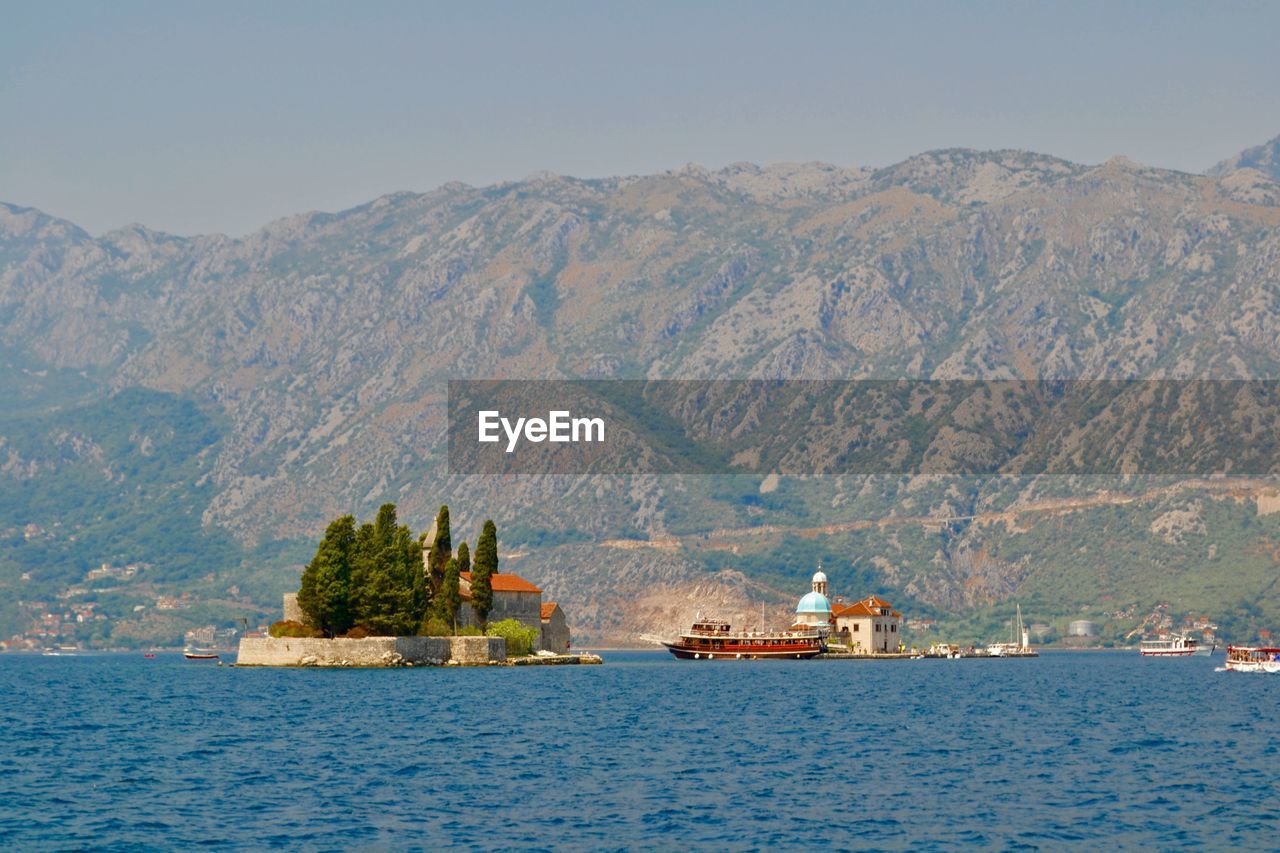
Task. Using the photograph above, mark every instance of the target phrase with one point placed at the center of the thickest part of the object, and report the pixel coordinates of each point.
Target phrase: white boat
(1019, 647)
(1253, 659)
(1173, 646)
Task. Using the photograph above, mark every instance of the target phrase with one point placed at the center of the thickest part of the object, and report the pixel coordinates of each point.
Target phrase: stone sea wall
(371, 651)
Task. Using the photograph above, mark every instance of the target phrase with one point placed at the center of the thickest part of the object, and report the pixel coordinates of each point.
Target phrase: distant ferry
(712, 639)
(1176, 645)
(1253, 659)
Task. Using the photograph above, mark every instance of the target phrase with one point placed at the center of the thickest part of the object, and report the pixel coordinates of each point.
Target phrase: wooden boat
(712, 639)
(1253, 659)
(197, 654)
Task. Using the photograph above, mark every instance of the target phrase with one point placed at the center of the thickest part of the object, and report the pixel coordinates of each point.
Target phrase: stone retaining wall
(371, 651)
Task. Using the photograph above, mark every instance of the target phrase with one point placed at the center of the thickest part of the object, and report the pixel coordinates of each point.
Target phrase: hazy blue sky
(220, 116)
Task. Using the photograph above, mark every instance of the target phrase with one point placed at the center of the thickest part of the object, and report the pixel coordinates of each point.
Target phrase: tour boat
(1253, 659)
(712, 639)
(1176, 645)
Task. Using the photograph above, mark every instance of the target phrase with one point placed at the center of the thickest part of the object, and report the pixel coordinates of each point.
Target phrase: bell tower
(820, 581)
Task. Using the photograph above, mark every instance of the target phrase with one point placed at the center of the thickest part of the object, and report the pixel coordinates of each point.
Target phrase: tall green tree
(364, 559)
(450, 595)
(441, 549)
(385, 526)
(389, 593)
(486, 565)
(325, 595)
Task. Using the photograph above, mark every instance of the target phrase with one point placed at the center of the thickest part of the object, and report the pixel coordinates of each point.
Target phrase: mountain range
(202, 406)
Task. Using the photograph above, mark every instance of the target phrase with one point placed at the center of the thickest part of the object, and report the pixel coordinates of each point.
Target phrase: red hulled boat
(712, 639)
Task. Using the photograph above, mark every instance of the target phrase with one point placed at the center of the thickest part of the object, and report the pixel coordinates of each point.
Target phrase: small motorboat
(197, 654)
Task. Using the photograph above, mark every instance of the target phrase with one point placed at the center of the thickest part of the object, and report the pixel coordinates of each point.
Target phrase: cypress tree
(385, 526)
(441, 549)
(449, 596)
(364, 559)
(325, 595)
(482, 575)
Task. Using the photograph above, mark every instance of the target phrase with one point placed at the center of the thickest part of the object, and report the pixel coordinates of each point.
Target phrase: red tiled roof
(504, 583)
(548, 607)
(877, 601)
(858, 608)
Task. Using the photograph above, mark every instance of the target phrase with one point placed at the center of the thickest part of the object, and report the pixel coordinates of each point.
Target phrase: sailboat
(1019, 645)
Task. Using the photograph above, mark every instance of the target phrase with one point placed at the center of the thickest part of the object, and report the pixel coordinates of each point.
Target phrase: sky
(197, 117)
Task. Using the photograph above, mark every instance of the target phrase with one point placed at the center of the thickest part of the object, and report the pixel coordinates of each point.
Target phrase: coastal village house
(869, 625)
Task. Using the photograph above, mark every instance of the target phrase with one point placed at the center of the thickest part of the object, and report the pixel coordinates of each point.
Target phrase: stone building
(869, 625)
(516, 598)
(555, 630)
(513, 598)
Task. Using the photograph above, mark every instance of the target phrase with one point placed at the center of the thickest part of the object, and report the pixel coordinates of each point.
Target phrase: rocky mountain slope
(318, 349)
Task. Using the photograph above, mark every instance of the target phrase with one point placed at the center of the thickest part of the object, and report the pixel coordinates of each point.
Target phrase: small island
(375, 595)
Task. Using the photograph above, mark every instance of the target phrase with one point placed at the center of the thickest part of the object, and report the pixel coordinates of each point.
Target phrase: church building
(516, 598)
(868, 626)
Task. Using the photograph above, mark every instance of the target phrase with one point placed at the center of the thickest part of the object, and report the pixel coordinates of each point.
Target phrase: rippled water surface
(1071, 749)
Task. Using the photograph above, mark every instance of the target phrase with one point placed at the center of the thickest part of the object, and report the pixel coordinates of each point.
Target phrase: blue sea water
(1068, 750)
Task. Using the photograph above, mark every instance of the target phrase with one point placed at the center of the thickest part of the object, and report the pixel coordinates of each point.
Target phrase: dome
(813, 602)
(819, 577)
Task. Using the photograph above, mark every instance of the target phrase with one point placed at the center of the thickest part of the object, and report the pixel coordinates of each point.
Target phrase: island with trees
(376, 594)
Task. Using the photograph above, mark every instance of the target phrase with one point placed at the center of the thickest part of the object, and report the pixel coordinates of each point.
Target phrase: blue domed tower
(815, 608)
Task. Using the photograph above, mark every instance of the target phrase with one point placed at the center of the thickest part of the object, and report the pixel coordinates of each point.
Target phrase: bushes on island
(436, 627)
(521, 640)
(290, 628)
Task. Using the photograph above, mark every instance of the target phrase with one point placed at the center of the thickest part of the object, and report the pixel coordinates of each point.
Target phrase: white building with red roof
(870, 625)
